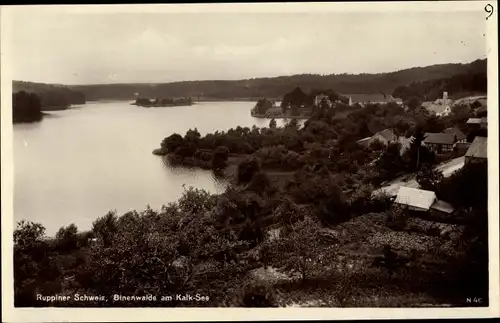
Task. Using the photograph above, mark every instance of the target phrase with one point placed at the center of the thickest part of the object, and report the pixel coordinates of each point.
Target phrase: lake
(77, 164)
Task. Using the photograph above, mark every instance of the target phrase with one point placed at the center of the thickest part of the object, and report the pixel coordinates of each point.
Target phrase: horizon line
(252, 78)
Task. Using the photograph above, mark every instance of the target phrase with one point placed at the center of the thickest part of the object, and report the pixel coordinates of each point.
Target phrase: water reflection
(77, 164)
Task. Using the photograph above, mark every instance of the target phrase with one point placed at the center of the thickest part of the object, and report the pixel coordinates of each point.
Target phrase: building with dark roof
(439, 142)
(460, 136)
(478, 150)
(385, 136)
(478, 122)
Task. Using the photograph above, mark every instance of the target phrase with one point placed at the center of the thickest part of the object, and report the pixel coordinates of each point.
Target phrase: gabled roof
(478, 148)
(387, 134)
(439, 138)
(455, 131)
(415, 197)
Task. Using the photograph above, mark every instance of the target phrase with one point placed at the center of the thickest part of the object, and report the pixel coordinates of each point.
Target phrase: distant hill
(457, 86)
(276, 87)
(52, 97)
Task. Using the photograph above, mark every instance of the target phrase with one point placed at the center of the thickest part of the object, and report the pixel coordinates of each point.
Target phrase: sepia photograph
(326, 155)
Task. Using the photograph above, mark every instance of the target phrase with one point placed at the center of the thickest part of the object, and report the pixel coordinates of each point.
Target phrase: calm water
(77, 164)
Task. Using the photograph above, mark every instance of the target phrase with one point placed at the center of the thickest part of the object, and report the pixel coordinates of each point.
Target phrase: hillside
(52, 97)
(457, 86)
(276, 87)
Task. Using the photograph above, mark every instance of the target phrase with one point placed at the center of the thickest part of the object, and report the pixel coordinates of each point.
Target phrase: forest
(276, 87)
(300, 204)
(457, 85)
(26, 107)
(52, 97)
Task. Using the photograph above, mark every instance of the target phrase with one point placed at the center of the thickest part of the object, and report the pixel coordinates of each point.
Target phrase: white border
(12, 314)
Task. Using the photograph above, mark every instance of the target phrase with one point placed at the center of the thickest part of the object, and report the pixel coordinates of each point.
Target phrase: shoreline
(262, 116)
(164, 105)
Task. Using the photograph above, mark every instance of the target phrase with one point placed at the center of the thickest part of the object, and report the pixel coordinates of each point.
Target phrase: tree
(298, 250)
(272, 124)
(433, 124)
(390, 162)
(258, 295)
(429, 178)
(260, 183)
(413, 103)
(219, 157)
(105, 227)
(467, 187)
(26, 107)
(415, 148)
(172, 142)
(34, 268)
(247, 168)
(67, 238)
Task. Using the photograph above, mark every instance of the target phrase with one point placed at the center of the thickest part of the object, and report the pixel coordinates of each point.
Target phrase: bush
(258, 295)
(219, 157)
(247, 168)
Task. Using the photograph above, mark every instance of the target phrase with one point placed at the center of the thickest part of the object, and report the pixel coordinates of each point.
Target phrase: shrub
(258, 295)
(247, 168)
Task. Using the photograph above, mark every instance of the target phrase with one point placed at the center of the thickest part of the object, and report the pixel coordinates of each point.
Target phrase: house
(385, 136)
(439, 107)
(318, 99)
(364, 99)
(439, 142)
(461, 137)
(415, 199)
(422, 200)
(478, 150)
(478, 122)
(398, 101)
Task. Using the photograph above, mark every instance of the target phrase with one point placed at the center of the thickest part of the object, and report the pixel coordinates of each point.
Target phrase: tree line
(457, 85)
(26, 107)
(275, 87)
(51, 96)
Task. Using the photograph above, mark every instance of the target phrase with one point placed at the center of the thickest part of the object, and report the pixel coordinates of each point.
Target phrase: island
(163, 102)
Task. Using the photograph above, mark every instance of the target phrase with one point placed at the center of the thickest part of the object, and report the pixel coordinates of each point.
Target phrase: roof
(415, 197)
(455, 131)
(365, 98)
(474, 121)
(478, 148)
(442, 206)
(439, 138)
(364, 140)
(387, 134)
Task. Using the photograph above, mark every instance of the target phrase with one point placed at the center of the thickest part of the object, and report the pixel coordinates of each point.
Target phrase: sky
(98, 48)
